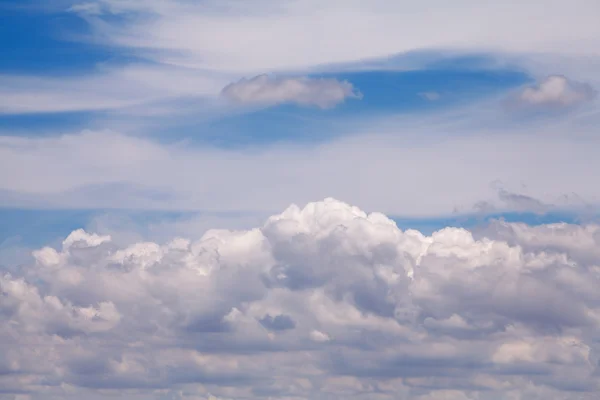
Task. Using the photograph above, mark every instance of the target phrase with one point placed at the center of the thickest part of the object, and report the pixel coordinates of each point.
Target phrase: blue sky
(216, 199)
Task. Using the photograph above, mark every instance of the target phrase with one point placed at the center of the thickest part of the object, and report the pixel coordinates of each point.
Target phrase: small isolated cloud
(303, 91)
(431, 96)
(556, 91)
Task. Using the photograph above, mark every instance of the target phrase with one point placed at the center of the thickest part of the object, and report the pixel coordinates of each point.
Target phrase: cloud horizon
(323, 300)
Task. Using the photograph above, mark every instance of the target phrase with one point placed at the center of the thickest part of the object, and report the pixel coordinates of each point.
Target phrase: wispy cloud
(105, 89)
(259, 37)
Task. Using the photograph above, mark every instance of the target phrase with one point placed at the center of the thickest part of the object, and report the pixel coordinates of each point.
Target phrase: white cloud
(105, 89)
(409, 167)
(256, 36)
(557, 91)
(304, 91)
(319, 302)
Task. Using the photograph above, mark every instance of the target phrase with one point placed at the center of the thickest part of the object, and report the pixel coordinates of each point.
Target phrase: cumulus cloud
(556, 91)
(324, 301)
(303, 91)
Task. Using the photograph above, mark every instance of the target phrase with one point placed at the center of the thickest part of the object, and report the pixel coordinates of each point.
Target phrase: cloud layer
(319, 303)
(415, 169)
(303, 91)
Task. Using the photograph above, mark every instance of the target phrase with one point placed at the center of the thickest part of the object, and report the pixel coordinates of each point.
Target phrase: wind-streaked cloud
(257, 37)
(105, 89)
(304, 91)
(319, 301)
(556, 91)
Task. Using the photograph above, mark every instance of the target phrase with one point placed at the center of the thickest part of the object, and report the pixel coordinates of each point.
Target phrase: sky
(299, 199)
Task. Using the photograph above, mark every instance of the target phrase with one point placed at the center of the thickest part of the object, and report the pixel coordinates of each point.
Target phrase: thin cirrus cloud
(107, 88)
(323, 93)
(257, 36)
(324, 301)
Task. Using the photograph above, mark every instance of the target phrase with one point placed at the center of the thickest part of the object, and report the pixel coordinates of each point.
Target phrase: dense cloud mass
(324, 302)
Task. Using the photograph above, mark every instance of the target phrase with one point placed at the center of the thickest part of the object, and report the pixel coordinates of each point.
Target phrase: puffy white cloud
(324, 301)
(304, 91)
(556, 91)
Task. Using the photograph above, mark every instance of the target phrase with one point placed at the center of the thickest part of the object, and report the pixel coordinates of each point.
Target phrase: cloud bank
(320, 302)
(303, 91)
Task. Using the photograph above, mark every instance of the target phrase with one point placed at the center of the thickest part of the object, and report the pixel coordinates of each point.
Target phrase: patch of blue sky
(38, 227)
(389, 91)
(45, 124)
(49, 43)
(35, 228)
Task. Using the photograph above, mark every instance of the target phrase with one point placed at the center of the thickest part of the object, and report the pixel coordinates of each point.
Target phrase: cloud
(114, 88)
(556, 91)
(304, 91)
(456, 161)
(255, 37)
(320, 301)
(174, 42)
